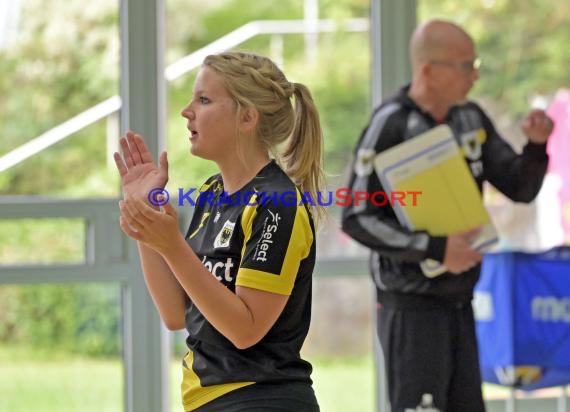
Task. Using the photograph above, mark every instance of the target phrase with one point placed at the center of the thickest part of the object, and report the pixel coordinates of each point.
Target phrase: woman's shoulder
(211, 183)
(272, 178)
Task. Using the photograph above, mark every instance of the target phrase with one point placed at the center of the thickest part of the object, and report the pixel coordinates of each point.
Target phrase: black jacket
(397, 251)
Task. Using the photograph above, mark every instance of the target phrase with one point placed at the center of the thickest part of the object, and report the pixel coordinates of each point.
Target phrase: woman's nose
(187, 112)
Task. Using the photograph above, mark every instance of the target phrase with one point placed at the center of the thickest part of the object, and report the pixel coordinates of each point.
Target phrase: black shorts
(266, 397)
(431, 350)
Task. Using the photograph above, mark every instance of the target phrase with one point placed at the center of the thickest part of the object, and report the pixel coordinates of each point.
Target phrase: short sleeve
(277, 237)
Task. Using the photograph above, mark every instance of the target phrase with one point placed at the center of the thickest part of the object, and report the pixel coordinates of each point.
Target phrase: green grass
(345, 384)
(63, 385)
(57, 382)
(32, 381)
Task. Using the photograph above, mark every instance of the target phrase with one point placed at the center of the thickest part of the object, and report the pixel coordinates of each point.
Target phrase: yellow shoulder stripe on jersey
(299, 247)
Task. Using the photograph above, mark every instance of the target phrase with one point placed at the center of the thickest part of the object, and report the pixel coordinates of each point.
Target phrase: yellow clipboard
(449, 200)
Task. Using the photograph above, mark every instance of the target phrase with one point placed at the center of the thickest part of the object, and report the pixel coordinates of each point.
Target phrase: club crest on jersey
(471, 143)
(364, 164)
(224, 236)
(471, 146)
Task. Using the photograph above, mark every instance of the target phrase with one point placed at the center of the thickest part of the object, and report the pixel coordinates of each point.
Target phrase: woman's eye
(204, 100)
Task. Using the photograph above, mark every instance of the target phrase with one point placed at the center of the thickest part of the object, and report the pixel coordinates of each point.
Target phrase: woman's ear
(249, 119)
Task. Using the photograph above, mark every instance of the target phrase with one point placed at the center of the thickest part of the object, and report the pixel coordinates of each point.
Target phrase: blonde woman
(240, 280)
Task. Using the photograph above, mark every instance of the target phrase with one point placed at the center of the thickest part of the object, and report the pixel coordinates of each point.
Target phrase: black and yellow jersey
(250, 238)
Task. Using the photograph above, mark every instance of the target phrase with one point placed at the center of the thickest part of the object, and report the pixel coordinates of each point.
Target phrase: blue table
(522, 306)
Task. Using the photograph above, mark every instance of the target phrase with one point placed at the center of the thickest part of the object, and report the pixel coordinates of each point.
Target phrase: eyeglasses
(465, 67)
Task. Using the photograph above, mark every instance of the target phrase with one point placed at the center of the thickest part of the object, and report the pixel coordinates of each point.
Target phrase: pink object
(558, 149)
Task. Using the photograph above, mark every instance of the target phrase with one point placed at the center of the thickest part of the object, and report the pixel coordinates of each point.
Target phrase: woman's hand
(157, 229)
(139, 173)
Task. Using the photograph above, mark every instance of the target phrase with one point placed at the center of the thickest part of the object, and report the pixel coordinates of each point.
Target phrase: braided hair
(290, 132)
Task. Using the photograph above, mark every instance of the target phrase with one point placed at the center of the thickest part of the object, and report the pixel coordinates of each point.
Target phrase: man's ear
(249, 118)
(425, 69)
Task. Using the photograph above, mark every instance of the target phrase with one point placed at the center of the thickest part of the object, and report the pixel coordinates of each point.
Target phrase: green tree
(522, 45)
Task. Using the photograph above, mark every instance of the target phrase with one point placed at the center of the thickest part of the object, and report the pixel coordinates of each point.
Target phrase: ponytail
(302, 158)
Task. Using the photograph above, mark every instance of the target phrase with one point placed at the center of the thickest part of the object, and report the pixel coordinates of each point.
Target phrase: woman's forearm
(167, 293)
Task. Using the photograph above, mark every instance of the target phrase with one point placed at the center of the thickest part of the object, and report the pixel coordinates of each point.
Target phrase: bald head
(435, 39)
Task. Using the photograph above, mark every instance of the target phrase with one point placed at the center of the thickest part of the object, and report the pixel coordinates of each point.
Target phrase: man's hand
(538, 126)
(459, 255)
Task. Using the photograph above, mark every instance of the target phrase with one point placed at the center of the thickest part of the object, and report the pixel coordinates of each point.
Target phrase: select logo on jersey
(223, 238)
(220, 270)
(270, 227)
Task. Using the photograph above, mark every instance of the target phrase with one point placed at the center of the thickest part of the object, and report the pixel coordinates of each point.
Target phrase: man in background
(426, 325)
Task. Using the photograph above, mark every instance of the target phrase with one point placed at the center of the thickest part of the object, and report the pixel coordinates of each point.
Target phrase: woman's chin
(195, 151)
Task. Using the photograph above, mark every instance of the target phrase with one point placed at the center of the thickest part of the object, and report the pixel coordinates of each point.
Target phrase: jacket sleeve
(517, 176)
(377, 226)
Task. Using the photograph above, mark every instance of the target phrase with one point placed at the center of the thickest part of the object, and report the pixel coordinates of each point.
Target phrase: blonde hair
(254, 81)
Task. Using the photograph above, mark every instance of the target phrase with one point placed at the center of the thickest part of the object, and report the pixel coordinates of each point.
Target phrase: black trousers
(431, 351)
(266, 397)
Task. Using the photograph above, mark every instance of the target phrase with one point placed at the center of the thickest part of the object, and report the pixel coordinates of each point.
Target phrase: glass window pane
(58, 61)
(42, 241)
(177, 351)
(343, 361)
(60, 348)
